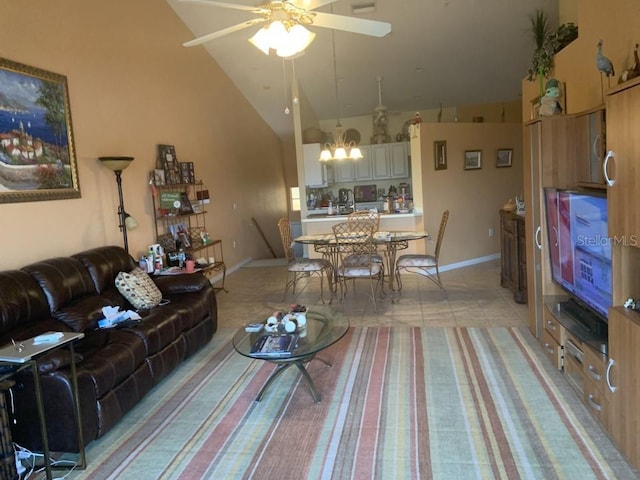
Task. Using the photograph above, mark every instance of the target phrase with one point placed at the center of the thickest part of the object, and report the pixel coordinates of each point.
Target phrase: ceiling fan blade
(350, 24)
(213, 3)
(223, 32)
(311, 4)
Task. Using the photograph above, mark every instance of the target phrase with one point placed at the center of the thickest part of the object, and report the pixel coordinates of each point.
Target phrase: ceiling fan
(291, 14)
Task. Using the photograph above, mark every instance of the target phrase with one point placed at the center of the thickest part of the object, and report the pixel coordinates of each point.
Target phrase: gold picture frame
(37, 154)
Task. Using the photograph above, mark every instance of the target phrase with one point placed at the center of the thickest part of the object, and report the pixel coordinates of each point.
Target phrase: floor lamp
(117, 165)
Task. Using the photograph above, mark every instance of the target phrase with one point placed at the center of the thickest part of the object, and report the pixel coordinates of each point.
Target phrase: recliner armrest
(188, 282)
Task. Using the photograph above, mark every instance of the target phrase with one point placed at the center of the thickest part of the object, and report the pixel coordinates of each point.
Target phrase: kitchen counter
(323, 217)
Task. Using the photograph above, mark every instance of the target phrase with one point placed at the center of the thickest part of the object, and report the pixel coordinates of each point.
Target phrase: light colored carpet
(398, 403)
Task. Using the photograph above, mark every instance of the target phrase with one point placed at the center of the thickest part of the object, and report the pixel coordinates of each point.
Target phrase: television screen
(579, 248)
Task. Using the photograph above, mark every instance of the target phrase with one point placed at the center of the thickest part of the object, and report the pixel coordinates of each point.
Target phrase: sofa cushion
(82, 314)
(23, 302)
(138, 288)
(62, 280)
(104, 264)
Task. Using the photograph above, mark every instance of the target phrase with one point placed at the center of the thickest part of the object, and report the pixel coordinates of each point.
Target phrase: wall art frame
(440, 154)
(472, 159)
(504, 157)
(37, 151)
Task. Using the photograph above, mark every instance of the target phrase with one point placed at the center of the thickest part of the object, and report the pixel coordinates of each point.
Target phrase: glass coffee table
(323, 329)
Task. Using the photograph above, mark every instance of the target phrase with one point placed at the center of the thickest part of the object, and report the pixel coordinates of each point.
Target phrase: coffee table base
(282, 366)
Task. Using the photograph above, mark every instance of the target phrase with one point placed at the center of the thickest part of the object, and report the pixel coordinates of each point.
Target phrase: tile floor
(473, 297)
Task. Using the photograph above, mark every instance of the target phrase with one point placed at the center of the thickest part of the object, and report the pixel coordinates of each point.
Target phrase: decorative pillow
(138, 288)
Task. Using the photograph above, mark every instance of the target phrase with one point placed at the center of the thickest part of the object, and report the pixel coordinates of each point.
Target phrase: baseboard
(230, 270)
(470, 262)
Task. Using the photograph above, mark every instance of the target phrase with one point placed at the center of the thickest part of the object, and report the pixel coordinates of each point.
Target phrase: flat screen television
(579, 248)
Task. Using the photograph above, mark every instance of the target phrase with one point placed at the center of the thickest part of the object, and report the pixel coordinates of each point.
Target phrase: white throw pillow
(138, 288)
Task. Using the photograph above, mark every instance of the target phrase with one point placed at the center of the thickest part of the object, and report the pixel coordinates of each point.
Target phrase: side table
(22, 356)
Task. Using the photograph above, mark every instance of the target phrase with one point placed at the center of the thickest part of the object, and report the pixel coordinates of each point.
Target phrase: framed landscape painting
(472, 159)
(37, 154)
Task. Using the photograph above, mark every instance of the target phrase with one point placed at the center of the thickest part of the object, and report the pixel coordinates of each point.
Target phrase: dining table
(392, 241)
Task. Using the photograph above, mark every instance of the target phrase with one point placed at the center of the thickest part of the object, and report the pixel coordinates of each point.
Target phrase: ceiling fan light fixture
(286, 41)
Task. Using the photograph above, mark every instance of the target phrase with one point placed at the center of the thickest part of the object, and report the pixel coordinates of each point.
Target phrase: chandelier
(340, 149)
(285, 32)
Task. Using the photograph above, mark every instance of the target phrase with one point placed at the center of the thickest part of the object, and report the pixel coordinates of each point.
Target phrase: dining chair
(421, 263)
(302, 267)
(370, 216)
(354, 241)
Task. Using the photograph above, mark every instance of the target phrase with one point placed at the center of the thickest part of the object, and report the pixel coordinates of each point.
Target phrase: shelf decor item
(168, 161)
(37, 149)
(472, 159)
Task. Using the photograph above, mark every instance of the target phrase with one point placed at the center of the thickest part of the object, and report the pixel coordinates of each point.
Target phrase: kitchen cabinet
(315, 171)
(623, 382)
(345, 170)
(363, 165)
(590, 147)
(390, 160)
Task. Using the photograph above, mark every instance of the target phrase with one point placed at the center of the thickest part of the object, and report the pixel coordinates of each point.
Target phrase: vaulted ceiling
(439, 52)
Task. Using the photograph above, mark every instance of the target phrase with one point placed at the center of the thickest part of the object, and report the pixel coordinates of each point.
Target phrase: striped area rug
(398, 403)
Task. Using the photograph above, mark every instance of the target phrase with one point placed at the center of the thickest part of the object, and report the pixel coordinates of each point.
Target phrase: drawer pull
(549, 348)
(596, 406)
(594, 374)
(551, 325)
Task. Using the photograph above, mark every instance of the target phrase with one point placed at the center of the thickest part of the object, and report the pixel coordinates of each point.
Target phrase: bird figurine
(604, 64)
(417, 119)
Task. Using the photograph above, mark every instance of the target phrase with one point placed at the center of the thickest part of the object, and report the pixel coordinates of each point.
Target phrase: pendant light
(340, 149)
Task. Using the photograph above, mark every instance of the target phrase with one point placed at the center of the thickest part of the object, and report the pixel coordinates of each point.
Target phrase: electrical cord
(29, 457)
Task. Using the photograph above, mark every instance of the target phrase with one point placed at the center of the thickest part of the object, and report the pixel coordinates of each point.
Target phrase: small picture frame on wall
(440, 154)
(472, 159)
(504, 157)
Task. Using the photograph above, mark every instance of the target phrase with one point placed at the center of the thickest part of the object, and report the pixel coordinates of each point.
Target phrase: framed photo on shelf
(472, 159)
(36, 137)
(185, 204)
(504, 157)
(158, 176)
(169, 162)
(187, 172)
(440, 154)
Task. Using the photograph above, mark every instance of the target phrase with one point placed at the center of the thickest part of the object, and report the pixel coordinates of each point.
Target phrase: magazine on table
(275, 346)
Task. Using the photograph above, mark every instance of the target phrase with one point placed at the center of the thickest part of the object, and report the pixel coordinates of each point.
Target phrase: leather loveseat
(116, 367)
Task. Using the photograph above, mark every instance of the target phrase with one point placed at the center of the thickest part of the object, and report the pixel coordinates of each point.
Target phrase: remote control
(50, 337)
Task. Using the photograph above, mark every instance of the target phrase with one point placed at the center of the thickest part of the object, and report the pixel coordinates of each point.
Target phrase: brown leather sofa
(115, 367)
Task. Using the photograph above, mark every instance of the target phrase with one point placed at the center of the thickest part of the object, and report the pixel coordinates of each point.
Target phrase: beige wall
(473, 197)
(132, 86)
(616, 23)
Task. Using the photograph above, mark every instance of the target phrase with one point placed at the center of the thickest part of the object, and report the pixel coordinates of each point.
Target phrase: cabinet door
(363, 167)
(345, 170)
(624, 338)
(380, 161)
(590, 148)
(314, 170)
(623, 119)
(399, 160)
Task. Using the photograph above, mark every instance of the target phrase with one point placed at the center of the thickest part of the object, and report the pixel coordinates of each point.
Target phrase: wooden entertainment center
(566, 151)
